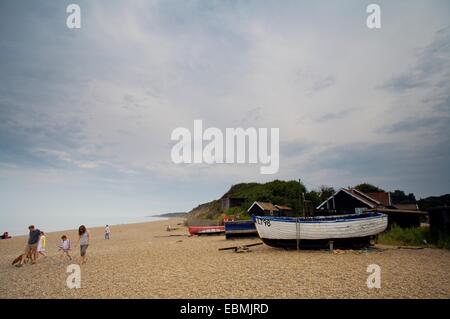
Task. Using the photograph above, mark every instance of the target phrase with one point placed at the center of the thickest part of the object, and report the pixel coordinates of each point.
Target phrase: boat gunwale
(324, 219)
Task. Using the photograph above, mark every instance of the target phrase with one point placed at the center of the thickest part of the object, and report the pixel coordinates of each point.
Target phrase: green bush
(238, 212)
(278, 192)
(418, 236)
(234, 211)
(442, 241)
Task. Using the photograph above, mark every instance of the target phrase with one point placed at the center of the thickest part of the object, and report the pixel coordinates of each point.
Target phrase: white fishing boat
(344, 230)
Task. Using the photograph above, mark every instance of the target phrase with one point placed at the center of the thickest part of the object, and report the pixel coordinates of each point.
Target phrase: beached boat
(344, 230)
(206, 230)
(240, 228)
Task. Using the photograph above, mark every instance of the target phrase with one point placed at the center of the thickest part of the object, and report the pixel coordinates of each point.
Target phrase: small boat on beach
(206, 230)
(354, 230)
(240, 228)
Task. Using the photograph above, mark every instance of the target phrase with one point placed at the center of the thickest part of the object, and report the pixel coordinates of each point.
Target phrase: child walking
(41, 245)
(64, 247)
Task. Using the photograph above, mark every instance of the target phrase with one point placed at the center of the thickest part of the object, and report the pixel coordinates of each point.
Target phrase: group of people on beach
(35, 246)
(37, 242)
(83, 240)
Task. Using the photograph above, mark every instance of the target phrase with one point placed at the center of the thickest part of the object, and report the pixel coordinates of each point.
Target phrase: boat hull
(206, 230)
(344, 231)
(240, 228)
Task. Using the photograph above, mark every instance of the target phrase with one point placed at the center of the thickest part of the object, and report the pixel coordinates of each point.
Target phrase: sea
(18, 227)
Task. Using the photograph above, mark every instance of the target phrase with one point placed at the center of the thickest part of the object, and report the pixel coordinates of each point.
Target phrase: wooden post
(300, 199)
(305, 213)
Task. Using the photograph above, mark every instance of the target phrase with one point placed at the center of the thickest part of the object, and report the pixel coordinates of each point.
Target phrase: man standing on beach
(31, 248)
(107, 232)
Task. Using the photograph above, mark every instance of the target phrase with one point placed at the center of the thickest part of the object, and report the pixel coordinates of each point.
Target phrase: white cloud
(133, 73)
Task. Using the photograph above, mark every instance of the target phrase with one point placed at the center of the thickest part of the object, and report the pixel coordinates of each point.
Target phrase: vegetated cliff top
(277, 191)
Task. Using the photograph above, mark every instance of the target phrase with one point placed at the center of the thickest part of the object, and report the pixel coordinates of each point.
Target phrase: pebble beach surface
(142, 261)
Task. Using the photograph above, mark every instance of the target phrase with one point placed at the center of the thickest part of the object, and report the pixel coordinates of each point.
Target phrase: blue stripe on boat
(240, 225)
(323, 219)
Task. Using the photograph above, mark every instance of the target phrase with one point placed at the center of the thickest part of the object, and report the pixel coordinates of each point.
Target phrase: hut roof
(269, 206)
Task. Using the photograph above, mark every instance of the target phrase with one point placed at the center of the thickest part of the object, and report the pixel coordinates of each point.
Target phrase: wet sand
(137, 263)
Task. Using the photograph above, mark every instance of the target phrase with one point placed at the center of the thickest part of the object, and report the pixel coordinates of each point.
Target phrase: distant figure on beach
(5, 235)
(170, 228)
(107, 232)
(64, 247)
(41, 245)
(83, 238)
(31, 248)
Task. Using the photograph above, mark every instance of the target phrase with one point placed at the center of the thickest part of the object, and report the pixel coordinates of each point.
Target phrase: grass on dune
(417, 236)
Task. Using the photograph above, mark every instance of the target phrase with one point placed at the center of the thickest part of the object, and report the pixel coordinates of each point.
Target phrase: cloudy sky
(86, 114)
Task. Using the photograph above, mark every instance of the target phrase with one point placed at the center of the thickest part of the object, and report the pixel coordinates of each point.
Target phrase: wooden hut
(439, 218)
(269, 209)
(353, 201)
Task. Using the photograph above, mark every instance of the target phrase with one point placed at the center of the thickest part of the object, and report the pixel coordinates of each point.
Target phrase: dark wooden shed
(402, 217)
(439, 218)
(269, 209)
(229, 202)
(352, 201)
(348, 201)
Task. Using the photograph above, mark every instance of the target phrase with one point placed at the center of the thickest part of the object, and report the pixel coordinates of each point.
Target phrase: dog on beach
(18, 259)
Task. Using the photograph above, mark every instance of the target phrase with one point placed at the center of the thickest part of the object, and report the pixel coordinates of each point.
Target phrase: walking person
(41, 245)
(107, 232)
(64, 247)
(31, 248)
(84, 238)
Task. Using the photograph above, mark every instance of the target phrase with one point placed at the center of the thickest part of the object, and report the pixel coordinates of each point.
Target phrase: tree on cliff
(368, 188)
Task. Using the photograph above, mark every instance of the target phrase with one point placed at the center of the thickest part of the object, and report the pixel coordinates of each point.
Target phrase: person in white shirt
(107, 232)
(64, 247)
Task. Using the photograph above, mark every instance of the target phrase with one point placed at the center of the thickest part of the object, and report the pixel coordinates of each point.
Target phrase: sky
(86, 114)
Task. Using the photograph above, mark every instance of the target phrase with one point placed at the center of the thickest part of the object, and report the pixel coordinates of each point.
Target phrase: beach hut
(230, 202)
(269, 209)
(439, 218)
(353, 201)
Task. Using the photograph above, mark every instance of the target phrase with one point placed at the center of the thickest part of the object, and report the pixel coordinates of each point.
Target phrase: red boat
(205, 230)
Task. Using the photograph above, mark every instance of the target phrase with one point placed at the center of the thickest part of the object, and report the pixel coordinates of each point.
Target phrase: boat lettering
(264, 222)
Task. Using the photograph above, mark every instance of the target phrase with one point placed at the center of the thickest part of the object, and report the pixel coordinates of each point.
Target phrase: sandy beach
(138, 262)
